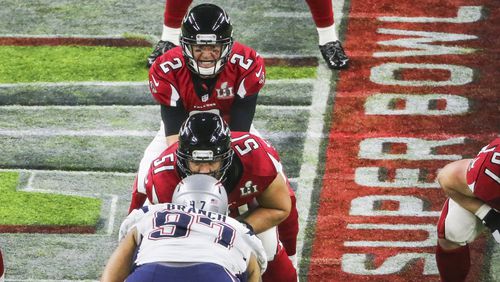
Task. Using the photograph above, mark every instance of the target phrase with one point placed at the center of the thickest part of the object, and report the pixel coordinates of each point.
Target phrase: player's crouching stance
(190, 239)
(473, 188)
(251, 172)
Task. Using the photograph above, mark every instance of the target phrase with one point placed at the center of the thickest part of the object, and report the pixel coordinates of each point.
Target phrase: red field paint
(422, 91)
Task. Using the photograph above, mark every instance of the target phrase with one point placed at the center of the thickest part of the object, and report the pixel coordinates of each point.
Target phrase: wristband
(247, 226)
(483, 211)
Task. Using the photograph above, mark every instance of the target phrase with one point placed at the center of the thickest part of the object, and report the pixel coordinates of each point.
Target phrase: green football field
(74, 122)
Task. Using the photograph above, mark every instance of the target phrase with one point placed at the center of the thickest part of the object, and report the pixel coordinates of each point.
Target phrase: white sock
(327, 34)
(171, 34)
(483, 211)
(295, 264)
(294, 261)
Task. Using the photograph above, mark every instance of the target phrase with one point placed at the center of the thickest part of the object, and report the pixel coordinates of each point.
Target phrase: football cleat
(334, 55)
(160, 48)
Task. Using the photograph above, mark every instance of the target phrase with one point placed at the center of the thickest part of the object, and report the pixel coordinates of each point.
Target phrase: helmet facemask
(205, 156)
(195, 64)
(204, 138)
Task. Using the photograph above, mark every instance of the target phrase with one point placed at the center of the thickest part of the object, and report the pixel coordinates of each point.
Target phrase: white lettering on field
(422, 43)
(408, 206)
(381, 104)
(428, 242)
(416, 148)
(465, 14)
(404, 178)
(357, 263)
(387, 74)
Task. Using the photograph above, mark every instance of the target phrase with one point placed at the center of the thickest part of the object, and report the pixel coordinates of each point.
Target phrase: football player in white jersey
(190, 239)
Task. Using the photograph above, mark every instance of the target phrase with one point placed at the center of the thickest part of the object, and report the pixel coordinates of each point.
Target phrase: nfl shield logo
(204, 98)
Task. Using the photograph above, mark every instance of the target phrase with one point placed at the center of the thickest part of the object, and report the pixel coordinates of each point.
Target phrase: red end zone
(422, 91)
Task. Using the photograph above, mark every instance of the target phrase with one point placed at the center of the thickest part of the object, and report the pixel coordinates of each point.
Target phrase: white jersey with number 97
(174, 233)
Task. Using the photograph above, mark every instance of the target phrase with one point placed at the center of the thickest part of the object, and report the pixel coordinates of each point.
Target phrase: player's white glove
(129, 222)
(492, 221)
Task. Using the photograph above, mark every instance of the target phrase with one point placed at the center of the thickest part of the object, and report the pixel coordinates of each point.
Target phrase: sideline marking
(114, 198)
(310, 154)
(77, 172)
(80, 83)
(112, 209)
(62, 132)
(127, 107)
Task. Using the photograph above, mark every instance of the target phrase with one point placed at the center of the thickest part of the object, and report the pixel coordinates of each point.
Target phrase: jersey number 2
(241, 61)
(174, 65)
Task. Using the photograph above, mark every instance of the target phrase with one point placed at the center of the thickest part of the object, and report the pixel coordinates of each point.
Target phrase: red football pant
(453, 265)
(280, 269)
(138, 199)
(321, 11)
(175, 10)
(289, 229)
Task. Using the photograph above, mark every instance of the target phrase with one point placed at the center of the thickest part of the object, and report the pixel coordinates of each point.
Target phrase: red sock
(138, 199)
(289, 229)
(175, 10)
(321, 11)
(280, 269)
(454, 264)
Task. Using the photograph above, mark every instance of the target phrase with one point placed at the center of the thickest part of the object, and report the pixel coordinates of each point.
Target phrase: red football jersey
(259, 160)
(483, 174)
(170, 81)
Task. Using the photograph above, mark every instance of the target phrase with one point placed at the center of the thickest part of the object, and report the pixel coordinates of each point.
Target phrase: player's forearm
(254, 273)
(453, 181)
(469, 203)
(118, 266)
(262, 219)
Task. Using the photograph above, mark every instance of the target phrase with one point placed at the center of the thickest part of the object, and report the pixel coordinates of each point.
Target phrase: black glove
(492, 221)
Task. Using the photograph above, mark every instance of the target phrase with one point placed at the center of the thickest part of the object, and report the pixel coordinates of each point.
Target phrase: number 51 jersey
(254, 167)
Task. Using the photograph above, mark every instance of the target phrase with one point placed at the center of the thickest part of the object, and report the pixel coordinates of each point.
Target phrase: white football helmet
(201, 191)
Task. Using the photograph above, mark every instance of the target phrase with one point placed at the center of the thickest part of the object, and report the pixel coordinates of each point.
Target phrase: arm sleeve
(242, 113)
(172, 118)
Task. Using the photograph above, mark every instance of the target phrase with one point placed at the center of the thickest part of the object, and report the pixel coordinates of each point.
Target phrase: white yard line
(81, 133)
(277, 14)
(310, 157)
(141, 83)
(87, 107)
(114, 198)
(76, 83)
(117, 36)
(127, 107)
(290, 81)
(112, 214)
(41, 171)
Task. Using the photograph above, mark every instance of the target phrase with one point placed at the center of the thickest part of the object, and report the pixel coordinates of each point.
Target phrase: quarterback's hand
(492, 221)
(129, 222)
